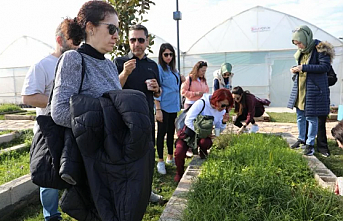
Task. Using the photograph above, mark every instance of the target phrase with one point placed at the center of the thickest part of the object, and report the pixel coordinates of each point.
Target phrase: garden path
(265, 127)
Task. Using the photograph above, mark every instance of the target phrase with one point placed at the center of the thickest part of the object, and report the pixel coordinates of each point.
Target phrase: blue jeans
(49, 200)
(312, 127)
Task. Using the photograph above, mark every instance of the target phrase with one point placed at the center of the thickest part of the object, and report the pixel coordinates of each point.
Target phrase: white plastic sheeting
(15, 61)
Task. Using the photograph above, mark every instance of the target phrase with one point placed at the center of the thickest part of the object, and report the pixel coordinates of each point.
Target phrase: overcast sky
(39, 18)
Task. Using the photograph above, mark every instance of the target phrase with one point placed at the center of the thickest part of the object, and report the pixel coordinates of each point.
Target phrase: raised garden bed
(257, 177)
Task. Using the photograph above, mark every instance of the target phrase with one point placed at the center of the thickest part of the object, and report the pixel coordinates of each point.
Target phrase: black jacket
(114, 138)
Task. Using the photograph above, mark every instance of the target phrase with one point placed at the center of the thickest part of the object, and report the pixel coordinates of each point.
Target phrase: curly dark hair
(66, 30)
(163, 64)
(337, 132)
(91, 11)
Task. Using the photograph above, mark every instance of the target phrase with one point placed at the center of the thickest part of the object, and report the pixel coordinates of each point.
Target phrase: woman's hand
(183, 79)
(199, 93)
(226, 117)
(296, 69)
(159, 116)
(241, 130)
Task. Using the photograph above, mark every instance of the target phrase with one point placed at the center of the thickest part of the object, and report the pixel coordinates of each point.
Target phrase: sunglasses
(202, 64)
(112, 29)
(224, 105)
(140, 40)
(168, 54)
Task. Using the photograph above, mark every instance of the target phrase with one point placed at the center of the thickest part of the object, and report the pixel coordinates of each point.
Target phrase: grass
(257, 177)
(5, 132)
(335, 161)
(162, 184)
(8, 108)
(282, 117)
(14, 164)
(24, 137)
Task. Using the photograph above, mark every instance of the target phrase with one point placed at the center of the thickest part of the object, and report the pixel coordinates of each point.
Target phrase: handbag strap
(82, 77)
(202, 107)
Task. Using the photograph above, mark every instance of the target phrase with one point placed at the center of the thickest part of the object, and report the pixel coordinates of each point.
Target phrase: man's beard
(65, 47)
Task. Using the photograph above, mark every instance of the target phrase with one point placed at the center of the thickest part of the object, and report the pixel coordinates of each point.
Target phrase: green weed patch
(24, 137)
(14, 164)
(4, 108)
(5, 132)
(282, 117)
(335, 161)
(257, 177)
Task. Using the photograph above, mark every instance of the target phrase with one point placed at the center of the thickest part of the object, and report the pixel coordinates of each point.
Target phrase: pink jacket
(196, 86)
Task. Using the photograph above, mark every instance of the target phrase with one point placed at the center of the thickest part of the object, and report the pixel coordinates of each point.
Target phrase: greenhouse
(257, 42)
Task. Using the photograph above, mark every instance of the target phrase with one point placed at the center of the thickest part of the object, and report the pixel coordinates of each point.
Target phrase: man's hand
(153, 85)
(129, 66)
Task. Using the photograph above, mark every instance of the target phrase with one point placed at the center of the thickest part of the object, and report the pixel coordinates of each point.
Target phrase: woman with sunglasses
(168, 104)
(96, 24)
(108, 185)
(222, 78)
(217, 105)
(247, 107)
(195, 85)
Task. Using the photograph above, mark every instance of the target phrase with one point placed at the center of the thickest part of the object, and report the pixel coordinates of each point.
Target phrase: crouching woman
(216, 105)
(247, 107)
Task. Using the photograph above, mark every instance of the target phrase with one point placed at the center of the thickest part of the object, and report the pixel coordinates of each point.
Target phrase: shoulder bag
(46, 149)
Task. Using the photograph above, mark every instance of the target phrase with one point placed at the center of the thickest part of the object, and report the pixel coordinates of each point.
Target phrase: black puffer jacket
(113, 134)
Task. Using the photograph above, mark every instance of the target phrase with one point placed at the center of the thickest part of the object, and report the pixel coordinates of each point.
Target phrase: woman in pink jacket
(195, 85)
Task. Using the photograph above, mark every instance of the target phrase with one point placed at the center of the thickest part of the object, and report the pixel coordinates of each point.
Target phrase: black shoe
(297, 144)
(325, 154)
(309, 150)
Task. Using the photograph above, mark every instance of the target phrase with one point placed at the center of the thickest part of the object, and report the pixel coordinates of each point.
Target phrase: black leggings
(166, 127)
(244, 115)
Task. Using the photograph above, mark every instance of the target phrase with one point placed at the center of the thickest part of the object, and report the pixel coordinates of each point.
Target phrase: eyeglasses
(168, 54)
(202, 64)
(225, 105)
(140, 40)
(112, 29)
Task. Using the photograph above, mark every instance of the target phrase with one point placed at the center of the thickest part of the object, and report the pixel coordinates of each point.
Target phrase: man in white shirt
(35, 92)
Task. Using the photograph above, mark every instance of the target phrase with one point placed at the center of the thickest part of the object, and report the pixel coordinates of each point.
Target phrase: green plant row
(5, 132)
(24, 137)
(4, 108)
(14, 164)
(257, 177)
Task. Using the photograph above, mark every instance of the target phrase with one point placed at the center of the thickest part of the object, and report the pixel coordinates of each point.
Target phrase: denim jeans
(49, 200)
(312, 127)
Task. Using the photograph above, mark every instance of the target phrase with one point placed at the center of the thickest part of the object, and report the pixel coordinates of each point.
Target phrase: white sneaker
(161, 168)
(171, 162)
(254, 128)
(155, 198)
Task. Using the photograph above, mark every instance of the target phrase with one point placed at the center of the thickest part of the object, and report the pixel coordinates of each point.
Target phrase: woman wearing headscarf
(310, 92)
(222, 78)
